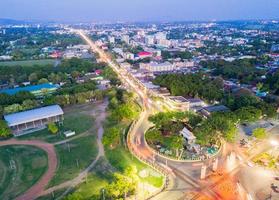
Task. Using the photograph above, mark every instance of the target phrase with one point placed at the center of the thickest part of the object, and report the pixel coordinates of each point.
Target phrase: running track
(35, 191)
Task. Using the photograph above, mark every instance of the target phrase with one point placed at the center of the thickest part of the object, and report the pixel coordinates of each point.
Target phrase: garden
(179, 135)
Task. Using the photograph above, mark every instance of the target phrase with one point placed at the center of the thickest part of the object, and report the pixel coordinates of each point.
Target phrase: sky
(138, 10)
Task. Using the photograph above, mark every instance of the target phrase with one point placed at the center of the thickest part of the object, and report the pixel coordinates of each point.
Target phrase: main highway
(184, 176)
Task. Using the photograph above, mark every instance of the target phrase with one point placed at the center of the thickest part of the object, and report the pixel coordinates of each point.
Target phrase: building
(126, 39)
(207, 111)
(144, 54)
(177, 103)
(111, 39)
(196, 104)
(37, 90)
(158, 67)
(160, 36)
(188, 135)
(32, 120)
(149, 40)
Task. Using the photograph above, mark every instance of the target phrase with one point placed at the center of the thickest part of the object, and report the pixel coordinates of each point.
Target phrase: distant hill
(11, 21)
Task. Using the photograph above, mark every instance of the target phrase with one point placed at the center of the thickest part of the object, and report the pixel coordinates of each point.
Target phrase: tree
(4, 129)
(12, 108)
(42, 81)
(259, 133)
(33, 78)
(29, 104)
(153, 136)
(123, 185)
(177, 143)
(111, 136)
(248, 114)
(52, 128)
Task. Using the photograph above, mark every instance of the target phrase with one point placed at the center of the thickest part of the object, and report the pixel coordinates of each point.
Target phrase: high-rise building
(149, 40)
(160, 36)
(126, 39)
(111, 39)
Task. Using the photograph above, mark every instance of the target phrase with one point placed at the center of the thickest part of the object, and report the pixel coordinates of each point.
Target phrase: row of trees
(38, 74)
(177, 54)
(123, 109)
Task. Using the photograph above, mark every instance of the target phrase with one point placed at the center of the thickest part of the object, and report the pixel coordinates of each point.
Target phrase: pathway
(81, 177)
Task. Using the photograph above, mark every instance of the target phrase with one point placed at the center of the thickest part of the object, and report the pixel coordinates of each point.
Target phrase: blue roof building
(37, 90)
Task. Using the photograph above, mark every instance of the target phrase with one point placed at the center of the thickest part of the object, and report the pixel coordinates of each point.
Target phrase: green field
(20, 168)
(72, 121)
(74, 157)
(26, 63)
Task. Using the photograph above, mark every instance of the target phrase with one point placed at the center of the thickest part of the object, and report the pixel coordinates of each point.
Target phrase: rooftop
(30, 88)
(178, 99)
(218, 108)
(33, 115)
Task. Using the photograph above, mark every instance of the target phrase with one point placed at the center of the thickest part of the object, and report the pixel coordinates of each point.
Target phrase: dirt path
(38, 188)
(100, 116)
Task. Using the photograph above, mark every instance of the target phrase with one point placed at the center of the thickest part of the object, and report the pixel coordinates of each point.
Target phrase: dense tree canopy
(191, 85)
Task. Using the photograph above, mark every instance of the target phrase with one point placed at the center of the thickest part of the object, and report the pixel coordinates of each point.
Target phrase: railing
(181, 160)
(151, 164)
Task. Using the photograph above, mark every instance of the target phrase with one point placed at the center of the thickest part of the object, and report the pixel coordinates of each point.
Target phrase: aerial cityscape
(124, 100)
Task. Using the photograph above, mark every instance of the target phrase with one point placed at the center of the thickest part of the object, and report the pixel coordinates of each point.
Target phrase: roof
(144, 53)
(33, 115)
(218, 108)
(30, 88)
(187, 134)
(179, 99)
(194, 100)
(160, 64)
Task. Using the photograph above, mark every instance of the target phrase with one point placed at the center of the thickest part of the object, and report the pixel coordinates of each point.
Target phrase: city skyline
(123, 10)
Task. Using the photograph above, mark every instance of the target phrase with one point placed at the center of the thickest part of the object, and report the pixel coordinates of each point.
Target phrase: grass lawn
(53, 196)
(120, 158)
(92, 188)
(26, 63)
(74, 157)
(72, 121)
(20, 168)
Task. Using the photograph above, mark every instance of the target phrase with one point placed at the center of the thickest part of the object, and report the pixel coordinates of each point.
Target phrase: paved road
(39, 187)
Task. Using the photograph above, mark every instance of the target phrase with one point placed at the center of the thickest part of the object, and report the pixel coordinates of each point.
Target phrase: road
(184, 176)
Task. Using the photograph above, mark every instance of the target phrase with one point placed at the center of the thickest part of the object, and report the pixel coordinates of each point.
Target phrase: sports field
(26, 63)
(20, 168)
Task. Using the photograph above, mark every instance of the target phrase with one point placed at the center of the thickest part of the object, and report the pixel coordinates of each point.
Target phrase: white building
(126, 39)
(29, 121)
(111, 39)
(149, 40)
(188, 135)
(157, 67)
(129, 56)
(160, 36)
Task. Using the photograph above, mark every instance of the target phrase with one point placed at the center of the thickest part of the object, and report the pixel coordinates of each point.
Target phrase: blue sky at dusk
(138, 10)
